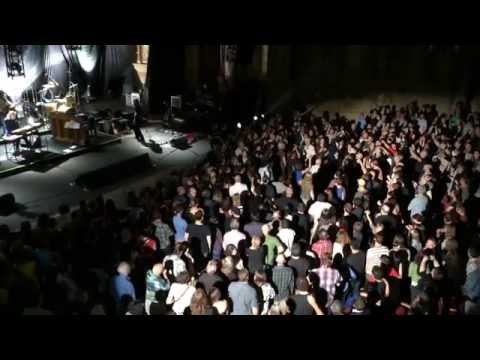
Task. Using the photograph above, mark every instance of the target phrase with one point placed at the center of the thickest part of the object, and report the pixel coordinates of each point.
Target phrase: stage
(43, 189)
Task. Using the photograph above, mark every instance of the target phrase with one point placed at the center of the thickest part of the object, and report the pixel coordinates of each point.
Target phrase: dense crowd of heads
(294, 214)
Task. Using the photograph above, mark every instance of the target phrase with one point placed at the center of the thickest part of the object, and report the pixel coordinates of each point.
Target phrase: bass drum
(47, 95)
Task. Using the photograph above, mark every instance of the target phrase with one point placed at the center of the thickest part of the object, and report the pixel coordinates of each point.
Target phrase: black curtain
(166, 74)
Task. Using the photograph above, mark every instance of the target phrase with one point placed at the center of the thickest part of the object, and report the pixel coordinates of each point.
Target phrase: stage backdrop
(107, 69)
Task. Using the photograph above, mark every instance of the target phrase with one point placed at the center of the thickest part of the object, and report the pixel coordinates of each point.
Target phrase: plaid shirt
(284, 281)
(322, 247)
(328, 278)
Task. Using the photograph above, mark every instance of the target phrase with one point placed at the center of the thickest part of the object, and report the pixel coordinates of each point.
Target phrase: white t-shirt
(180, 295)
(280, 187)
(316, 209)
(310, 151)
(422, 125)
(337, 249)
(315, 169)
(287, 236)
(233, 237)
(373, 257)
(179, 265)
(237, 188)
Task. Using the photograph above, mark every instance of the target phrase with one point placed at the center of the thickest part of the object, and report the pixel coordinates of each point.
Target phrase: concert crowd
(294, 214)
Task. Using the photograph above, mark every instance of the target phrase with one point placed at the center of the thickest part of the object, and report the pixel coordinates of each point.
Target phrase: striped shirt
(328, 278)
(373, 257)
(284, 281)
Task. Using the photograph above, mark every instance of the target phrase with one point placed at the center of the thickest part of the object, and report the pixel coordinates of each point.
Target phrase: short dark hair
(355, 245)
(296, 249)
(321, 197)
(474, 251)
(178, 208)
(302, 284)
(183, 277)
(379, 238)
(199, 215)
(243, 275)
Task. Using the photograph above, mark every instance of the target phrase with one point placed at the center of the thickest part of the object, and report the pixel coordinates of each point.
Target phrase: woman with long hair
(306, 187)
(201, 304)
(218, 302)
(342, 240)
(232, 251)
(180, 293)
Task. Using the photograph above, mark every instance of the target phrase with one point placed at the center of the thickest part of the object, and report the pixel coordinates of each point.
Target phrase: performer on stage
(11, 124)
(137, 120)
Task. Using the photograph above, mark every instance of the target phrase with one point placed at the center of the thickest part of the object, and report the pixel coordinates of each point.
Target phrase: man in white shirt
(317, 208)
(375, 253)
(238, 187)
(234, 236)
(422, 124)
(286, 236)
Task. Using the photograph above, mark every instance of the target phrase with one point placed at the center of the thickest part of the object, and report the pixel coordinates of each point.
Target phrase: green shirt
(413, 273)
(454, 122)
(272, 243)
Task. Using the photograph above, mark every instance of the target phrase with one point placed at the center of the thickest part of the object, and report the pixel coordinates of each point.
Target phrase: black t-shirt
(390, 227)
(358, 213)
(300, 266)
(376, 291)
(256, 258)
(198, 239)
(284, 202)
(357, 262)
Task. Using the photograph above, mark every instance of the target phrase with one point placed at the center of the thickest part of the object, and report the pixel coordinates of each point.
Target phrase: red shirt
(322, 247)
(148, 246)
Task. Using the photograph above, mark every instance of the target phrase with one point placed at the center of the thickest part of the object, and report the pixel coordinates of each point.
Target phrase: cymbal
(48, 86)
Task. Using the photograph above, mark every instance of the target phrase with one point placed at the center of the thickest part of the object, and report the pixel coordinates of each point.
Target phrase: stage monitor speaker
(7, 204)
(176, 102)
(180, 143)
(114, 173)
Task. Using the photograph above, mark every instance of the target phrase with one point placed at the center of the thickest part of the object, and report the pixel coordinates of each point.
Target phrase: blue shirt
(180, 226)
(121, 285)
(298, 175)
(418, 205)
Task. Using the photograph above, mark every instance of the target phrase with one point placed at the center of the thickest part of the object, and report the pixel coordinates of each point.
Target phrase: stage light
(255, 118)
(14, 60)
(239, 125)
(87, 57)
(263, 116)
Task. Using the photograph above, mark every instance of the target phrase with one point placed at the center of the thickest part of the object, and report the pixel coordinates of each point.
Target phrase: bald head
(124, 268)
(157, 269)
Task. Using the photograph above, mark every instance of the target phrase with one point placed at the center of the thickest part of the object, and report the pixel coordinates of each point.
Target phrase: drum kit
(51, 99)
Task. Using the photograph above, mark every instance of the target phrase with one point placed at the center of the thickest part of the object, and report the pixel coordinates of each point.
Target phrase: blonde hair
(307, 183)
(343, 237)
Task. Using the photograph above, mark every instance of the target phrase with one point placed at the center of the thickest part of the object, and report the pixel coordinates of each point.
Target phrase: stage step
(114, 173)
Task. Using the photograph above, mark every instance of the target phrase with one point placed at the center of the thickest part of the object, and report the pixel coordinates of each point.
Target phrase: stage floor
(37, 191)
(51, 152)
